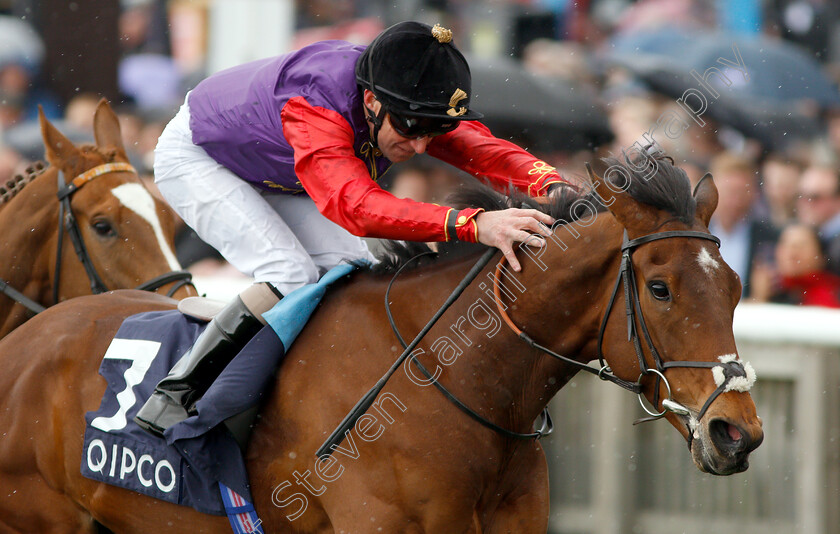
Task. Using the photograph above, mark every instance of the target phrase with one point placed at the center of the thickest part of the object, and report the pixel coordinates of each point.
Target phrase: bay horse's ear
(627, 210)
(57, 148)
(706, 196)
(106, 127)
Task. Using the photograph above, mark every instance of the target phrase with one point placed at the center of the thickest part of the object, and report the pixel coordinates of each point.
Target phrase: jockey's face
(393, 146)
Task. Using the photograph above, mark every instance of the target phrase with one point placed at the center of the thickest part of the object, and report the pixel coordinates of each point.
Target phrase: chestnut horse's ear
(706, 196)
(627, 210)
(106, 127)
(58, 149)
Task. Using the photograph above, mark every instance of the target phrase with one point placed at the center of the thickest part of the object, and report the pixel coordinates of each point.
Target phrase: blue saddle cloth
(198, 454)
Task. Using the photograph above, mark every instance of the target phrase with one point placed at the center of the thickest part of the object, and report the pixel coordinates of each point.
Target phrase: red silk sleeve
(340, 184)
(472, 148)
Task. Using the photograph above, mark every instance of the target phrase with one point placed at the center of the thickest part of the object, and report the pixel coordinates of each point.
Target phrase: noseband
(67, 221)
(729, 373)
(728, 370)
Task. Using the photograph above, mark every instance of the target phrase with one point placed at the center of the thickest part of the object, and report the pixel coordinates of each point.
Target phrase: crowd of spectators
(779, 211)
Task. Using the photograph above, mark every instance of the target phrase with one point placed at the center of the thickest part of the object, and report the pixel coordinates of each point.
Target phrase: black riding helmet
(420, 78)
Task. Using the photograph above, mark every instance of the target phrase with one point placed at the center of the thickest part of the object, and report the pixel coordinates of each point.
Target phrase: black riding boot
(175, 396)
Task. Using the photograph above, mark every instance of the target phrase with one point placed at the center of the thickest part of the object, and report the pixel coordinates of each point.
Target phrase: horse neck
(554, 307)
(30, 224)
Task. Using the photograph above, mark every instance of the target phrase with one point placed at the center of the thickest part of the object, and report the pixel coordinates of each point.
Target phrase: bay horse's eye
(103, 228)
(659, 290)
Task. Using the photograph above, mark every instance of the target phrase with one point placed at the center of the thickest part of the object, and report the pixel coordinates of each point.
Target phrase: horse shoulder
(72, 335)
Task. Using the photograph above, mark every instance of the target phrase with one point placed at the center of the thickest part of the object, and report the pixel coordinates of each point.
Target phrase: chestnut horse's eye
(104, 228)
(659, 290)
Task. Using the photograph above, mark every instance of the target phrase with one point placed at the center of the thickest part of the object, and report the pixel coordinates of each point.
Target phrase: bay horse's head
(84, 224)
(677, 297)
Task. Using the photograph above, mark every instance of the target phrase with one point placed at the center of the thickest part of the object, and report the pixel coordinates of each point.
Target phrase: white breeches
(274, 237)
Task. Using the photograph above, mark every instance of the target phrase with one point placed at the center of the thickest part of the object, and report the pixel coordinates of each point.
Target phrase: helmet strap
(376, 120)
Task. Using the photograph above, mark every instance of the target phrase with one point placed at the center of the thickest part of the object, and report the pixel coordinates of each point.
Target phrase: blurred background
(744, 89)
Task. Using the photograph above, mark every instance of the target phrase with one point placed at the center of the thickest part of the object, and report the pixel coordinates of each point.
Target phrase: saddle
(199, 455)
(201, 308)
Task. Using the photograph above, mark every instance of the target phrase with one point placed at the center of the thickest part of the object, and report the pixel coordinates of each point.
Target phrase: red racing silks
(340, 184)
(472, 148)
(461, 225)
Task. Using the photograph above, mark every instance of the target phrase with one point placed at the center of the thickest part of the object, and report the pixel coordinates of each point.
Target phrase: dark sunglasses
(417, 127)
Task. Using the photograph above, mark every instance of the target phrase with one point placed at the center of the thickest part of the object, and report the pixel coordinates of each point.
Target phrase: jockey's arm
(340, 185)
(472, 148)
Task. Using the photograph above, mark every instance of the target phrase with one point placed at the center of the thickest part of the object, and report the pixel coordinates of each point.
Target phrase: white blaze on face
(707, 262)
(136, 198)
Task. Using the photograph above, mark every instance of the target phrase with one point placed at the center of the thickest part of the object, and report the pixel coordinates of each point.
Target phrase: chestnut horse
(415, 462)
(111, 232)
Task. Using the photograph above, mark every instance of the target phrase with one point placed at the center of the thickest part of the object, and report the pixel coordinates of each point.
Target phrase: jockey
(275, 162)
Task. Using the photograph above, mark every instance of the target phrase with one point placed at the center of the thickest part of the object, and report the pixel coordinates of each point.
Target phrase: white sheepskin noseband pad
(734, 380)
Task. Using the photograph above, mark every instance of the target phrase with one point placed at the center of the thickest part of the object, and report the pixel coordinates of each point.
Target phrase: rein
(337, 435)
(729, 370)
(547, 426)
(627, 278)
(67, 221)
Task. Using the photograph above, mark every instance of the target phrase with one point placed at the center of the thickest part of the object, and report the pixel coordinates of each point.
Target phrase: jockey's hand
(503, 228)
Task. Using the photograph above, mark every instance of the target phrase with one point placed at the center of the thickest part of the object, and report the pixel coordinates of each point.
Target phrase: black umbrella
(540, 113)
(768, 89)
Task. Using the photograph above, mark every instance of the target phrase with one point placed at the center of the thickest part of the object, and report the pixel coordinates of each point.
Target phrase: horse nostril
(733, 431)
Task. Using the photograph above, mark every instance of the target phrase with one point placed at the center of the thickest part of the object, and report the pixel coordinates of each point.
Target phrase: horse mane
(396, 254)
(14, 186)
(87, 151)
(654, 180)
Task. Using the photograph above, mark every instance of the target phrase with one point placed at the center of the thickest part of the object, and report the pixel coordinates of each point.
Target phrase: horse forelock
(91, 156)
(652, 178)
(86, 157)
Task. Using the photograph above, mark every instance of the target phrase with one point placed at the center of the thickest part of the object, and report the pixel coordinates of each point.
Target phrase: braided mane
(14, 186)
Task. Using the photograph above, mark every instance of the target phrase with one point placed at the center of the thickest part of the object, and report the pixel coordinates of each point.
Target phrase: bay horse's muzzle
(734, 442)
(723, 448)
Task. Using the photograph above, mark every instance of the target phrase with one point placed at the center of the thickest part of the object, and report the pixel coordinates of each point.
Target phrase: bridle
(67, 221)
(627, 279)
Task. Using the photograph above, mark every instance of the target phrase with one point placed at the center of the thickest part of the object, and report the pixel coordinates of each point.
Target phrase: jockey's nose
(419, 145)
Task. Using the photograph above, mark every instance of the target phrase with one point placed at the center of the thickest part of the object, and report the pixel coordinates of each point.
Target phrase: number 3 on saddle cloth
(199, 464)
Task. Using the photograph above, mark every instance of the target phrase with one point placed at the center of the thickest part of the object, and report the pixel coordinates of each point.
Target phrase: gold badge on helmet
(457, 96)
(441, 34)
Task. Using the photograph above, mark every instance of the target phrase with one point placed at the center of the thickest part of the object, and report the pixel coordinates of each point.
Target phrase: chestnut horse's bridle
(67, 221)
(626, 278)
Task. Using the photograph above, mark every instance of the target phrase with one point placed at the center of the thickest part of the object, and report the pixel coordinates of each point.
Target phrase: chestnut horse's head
(125, 233)
(683, 296)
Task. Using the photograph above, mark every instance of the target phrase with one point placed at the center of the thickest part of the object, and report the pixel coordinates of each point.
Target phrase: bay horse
(118, 235)
(414, 462)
